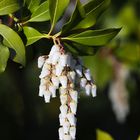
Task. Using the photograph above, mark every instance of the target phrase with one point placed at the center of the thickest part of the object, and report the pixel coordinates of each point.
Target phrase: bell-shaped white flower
(73, 107)
(72, 76)
(78, 69)
(41, 61)
(58, 70)
(62, 90)
(64, 109)
(83, 82)
(63, 99)
(42, 90)
(71, 118)
(45, 71)
(63, 60)
(54, 49)
(87, 74)
(73, 132)
(63, 80)
(88, 89)
(47, 96)
(93, 90)
(52, 89)
(66, 127)
(67, 137)
(55, 58)
(61, 133)
(55, 81)
(74, 95)
(61, 119)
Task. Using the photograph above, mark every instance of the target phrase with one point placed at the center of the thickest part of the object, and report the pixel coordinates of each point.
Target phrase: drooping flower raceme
(66, 74)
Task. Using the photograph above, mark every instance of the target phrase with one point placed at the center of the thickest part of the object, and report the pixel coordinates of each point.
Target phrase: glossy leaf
(41, 13)
(15, 43)
(56, 9)
(94, 37)
(91, 17)
(8, 6)
(4, 55)
(77, 16)
(32, 5)
(32, 35)
(80, 50)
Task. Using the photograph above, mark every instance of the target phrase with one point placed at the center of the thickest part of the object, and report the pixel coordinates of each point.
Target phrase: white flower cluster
(66, 74)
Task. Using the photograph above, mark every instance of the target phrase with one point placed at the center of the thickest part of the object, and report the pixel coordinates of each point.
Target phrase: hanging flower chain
(61, 71)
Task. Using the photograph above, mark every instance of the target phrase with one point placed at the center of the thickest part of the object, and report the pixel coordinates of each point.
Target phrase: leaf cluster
(78, 34)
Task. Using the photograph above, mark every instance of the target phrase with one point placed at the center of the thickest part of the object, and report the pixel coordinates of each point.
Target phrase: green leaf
(80, 50)
(77, 16)
(32, 5)
(56, 9)
(99, 6)
(41, 13)
(94, 37)
(4, 55)
(8, 6)
(32, 35)
(15, 43)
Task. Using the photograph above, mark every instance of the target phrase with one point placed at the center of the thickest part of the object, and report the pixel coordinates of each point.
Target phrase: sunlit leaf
(77, 16)
(32, 5)
(91, 16)
(94, 37)
(139, 138)
(32, 35)
(101, 135)
(8, 6)
(41, 13)
(56, 9)
(4, 55)
(15, 43)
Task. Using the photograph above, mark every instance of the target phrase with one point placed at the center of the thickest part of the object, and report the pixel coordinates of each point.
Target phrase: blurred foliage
(101, 135)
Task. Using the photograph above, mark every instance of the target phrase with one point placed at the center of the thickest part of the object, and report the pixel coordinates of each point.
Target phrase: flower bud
(61, 133)
(74, 95)
(63, 109)
(63, 81)
(71, 118)
(52, 89)
(87, 74)
(55, 58)
(61, 119)
(73, 132)
(67, 137)
(47, 96)
(63, 60)
(41, 61)
(62, 90)
(72, 76)
(93, 90)
(45, 71)
(78, 69)
(55, 81)
(66, 127)
(58, 70)
(83, 82)
(88, 89)
(63, 99)
(54, 49)
(42, 89)
(73, 107)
